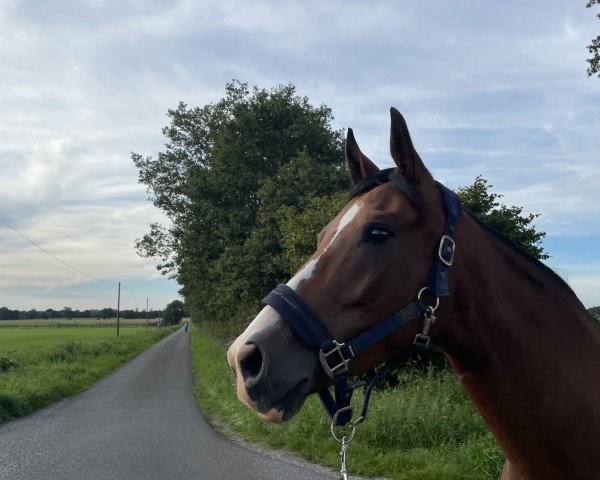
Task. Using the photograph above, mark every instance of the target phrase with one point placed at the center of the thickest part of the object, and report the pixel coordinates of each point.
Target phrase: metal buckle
(437, 299)
(421, 340)
(335, 417)
(343, 361)
(450, 247)
(352, 424)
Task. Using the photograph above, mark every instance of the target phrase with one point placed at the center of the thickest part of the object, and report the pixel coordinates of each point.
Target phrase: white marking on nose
(266, 319)
(308, 270)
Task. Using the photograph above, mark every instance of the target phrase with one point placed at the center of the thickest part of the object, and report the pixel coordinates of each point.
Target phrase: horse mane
(521, 252)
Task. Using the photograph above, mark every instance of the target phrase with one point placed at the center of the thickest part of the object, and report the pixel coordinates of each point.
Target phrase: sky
(497, 89)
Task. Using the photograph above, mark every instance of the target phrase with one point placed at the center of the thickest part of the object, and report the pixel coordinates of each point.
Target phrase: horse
(524, 347)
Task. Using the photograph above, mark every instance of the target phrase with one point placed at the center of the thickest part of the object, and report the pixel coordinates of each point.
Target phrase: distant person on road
(186, 326)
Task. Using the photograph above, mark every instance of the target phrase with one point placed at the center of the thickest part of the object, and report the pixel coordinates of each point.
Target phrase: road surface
(141, 422)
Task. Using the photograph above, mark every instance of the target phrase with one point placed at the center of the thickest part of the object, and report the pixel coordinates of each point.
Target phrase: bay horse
(523, 346)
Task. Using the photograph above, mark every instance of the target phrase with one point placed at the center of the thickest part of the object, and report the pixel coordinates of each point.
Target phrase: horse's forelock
(388, 175)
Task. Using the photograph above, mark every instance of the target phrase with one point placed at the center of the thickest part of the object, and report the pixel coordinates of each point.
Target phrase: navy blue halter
(335, 356)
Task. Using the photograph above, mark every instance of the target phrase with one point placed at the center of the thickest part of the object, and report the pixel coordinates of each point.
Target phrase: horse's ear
(404, 154)
(359, 165)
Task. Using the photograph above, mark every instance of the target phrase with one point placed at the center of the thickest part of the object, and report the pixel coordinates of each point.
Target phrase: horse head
(370, 261)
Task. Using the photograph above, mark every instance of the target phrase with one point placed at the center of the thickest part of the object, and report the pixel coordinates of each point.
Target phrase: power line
(130, 292)
(52, 255)
(65, 263)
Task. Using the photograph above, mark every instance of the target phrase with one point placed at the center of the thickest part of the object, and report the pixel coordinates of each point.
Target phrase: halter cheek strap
(336, 356)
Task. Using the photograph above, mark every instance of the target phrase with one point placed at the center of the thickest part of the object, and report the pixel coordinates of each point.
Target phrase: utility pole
(118, 308)
(146, 313)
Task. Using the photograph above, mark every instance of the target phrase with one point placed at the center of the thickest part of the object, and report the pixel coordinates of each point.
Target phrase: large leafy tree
(247, 183)
(594, 48)
(226, 170)
(300, 228)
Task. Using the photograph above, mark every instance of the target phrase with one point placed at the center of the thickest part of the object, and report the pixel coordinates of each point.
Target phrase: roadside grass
(425, 429)
(39, 366)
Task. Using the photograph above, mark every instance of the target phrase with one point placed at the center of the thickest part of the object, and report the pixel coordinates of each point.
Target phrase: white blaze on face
(309, 268)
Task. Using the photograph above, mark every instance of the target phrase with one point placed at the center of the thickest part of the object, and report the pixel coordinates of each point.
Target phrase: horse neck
(526, 351)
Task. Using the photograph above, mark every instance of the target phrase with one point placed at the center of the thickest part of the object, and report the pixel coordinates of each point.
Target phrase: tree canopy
(174, 312)
(227, 169)
(300, 228)
(247, 183)
(594, 48)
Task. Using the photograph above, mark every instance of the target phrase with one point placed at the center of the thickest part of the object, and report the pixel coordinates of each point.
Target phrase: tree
(174, 312)
(484, 204)
(49, 313)
(300, 228)
(226, 170)
(594, 48)
(67, 313)
(107, 313)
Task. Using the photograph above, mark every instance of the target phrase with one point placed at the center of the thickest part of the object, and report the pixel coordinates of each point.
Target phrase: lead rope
(344, 441)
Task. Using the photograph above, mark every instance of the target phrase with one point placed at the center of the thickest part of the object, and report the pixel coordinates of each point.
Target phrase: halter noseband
(335, 356)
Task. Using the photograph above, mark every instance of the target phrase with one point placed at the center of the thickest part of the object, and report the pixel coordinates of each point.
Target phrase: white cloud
(492, 89)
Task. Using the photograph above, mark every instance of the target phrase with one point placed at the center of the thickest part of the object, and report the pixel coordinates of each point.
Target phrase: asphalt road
(141, 422)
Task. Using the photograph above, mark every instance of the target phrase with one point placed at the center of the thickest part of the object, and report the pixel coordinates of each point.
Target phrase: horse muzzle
(273, 369)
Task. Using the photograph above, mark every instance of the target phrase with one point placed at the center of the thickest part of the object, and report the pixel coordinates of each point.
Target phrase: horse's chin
(279, 416)
(273, 416)
(283, 409)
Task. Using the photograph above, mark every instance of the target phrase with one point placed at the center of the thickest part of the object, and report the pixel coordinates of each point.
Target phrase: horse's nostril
(251, 363)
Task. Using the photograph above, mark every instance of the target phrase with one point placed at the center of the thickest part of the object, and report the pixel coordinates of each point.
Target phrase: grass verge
(426, 429)
(41, 366)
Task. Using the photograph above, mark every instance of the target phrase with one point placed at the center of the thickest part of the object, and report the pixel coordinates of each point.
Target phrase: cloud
(492, 89)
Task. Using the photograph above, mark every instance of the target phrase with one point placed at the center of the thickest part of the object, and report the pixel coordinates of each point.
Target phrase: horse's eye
(378, 235)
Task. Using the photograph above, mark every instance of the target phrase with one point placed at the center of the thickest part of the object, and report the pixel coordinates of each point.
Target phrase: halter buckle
(421, 340)
(324, 356)
(352, 424)
(446, 250)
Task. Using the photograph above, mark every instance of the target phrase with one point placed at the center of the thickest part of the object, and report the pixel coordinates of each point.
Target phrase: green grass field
(40, 365)
(426, 429)
(74, 322)
(14, 340)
